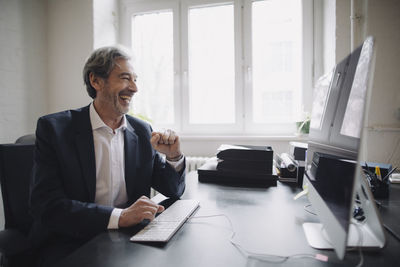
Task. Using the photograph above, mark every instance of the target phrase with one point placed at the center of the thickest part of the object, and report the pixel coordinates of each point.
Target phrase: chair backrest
(26, 139)
(16, 161)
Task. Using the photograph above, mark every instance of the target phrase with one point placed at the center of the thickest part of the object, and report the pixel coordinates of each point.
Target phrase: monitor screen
(352, 121)
(353, 117)
(320, 100)
(338, 107)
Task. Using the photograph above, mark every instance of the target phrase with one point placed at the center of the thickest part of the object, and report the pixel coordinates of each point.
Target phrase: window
(220, 67)
(152, 41)
(275, 58)
(211, 65)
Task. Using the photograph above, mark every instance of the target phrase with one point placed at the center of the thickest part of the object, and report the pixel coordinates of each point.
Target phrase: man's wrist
(113, 222)
(176, 158)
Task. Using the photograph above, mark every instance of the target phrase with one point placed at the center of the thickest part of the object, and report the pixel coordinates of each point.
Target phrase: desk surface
(265, 220)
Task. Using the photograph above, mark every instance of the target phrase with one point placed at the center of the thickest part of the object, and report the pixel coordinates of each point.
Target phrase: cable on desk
(360, 242)
(307, 210)
(208, 216)
(392, 232)
(261, 256)
(393, 203)
(360, 234)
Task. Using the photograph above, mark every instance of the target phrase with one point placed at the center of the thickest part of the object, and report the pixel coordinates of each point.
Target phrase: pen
(378, 173)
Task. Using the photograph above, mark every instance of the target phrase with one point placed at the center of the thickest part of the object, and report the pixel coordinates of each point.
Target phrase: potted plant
(303, 126)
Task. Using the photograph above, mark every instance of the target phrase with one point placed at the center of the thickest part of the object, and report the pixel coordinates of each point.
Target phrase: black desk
(265, 221)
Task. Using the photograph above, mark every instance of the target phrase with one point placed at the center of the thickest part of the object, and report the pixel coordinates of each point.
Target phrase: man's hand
(143, 208)
(167, 143)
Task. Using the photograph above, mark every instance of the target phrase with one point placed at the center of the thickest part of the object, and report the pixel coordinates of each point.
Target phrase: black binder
(246, 153)
(208, 173)
(245, 158)
(245, 165)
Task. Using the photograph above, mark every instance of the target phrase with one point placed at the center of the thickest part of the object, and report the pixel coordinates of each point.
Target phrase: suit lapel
(131, 158)
(85, 146)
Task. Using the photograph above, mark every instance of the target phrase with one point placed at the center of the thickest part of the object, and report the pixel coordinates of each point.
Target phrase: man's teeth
(126, 98)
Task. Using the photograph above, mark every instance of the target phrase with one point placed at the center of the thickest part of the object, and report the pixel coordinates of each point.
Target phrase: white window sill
(243, 138)
(207, 145)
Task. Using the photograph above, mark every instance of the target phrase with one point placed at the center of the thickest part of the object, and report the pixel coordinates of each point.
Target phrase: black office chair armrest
(13, 242)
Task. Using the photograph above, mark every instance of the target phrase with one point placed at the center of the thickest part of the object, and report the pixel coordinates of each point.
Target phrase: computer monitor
(333, 173)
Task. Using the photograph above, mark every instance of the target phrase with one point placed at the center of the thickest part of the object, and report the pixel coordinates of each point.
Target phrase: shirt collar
(98, 123)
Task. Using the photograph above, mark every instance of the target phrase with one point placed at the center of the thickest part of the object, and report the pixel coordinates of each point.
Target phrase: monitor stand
(369, 233)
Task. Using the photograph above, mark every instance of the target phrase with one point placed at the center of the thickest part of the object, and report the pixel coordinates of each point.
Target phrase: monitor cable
(360, 234)
(271, 258)
(309, 211)
(392, 232)
(360, 242)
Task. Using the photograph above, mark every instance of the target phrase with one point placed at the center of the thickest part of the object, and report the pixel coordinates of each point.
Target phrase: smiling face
(115, 93)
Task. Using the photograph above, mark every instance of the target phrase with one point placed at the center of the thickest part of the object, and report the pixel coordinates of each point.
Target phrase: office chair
(26, 139)
(16, 161)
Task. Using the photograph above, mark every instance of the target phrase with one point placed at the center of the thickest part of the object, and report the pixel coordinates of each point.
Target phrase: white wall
(43, 47)
(75, 28)
(332, 29)
(23, 66)
(343, 30)
(70, 41)
(105, 22)
(23, 69)
(383, 22)
(329, 35)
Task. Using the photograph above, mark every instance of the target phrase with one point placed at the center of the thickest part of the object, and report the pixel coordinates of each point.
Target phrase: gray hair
(101, 62)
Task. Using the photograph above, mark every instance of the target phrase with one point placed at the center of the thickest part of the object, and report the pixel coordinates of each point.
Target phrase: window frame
(128, 9)
(243, 67)
(306, 74)
(202, 129)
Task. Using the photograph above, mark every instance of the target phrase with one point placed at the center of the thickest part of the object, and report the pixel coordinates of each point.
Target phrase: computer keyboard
(165, 225)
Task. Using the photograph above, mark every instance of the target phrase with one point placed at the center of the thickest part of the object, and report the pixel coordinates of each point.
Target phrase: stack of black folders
(240, 165)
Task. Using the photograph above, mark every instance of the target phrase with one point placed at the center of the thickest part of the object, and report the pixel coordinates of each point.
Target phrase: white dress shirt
(110, 165)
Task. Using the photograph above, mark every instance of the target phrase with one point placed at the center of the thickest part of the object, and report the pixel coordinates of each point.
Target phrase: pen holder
(379, 188)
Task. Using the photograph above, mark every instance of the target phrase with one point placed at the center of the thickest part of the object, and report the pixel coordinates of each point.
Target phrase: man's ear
(96, 82)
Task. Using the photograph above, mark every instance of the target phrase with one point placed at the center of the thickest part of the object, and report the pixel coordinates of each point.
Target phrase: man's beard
(114, 99)
(120, 108)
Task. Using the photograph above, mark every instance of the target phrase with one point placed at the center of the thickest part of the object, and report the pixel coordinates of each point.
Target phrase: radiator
(193, 163)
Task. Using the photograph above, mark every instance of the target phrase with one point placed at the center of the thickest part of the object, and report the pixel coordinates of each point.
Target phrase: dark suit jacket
(64, 175)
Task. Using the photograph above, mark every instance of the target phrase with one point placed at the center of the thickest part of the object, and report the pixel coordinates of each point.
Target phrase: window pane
(320, 100)
(276, 31)
(211, 65)
(152, 44)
